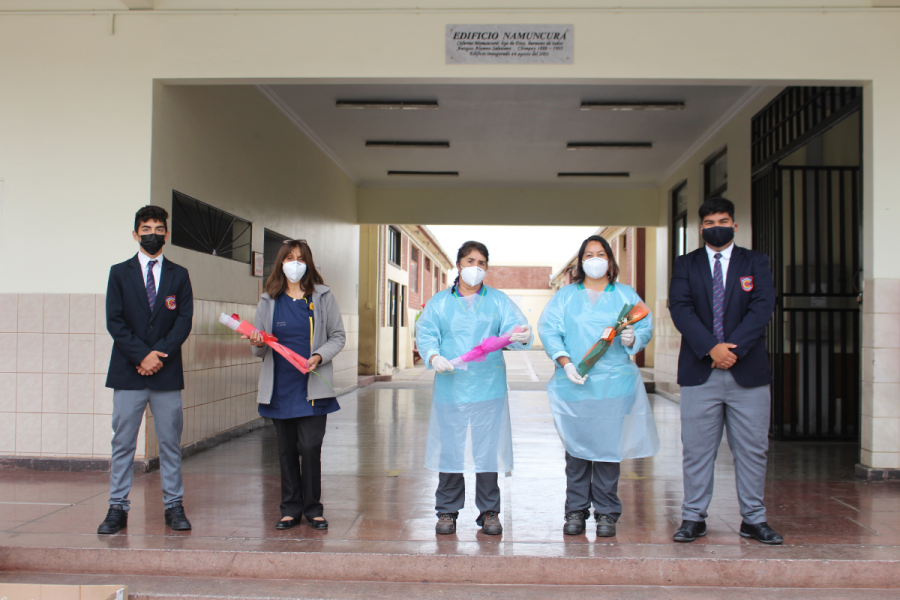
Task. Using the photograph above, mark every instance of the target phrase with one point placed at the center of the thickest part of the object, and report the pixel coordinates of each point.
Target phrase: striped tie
(718, 299)
(151, 284)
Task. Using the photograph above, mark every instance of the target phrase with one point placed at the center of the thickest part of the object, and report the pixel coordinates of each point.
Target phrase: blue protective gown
(469, 431)
(608, 418)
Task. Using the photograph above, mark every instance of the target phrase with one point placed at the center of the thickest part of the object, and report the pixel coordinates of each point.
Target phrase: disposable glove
(572, 374)
(521, 337)
(441, 364)
(627, 336)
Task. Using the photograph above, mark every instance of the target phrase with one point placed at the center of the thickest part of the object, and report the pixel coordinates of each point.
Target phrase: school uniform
(149, 306)
(715, 297)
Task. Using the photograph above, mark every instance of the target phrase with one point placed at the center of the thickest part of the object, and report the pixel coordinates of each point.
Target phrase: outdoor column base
(873, 474)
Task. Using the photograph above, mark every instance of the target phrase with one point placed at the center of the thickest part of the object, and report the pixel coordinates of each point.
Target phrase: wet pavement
(379, 499)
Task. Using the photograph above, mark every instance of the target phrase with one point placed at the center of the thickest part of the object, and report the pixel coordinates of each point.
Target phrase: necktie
(718, 299)
(151, 284)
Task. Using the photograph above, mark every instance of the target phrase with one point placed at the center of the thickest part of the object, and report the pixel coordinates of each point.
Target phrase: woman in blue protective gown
(605, 416)
(470, 429)
(301, 312)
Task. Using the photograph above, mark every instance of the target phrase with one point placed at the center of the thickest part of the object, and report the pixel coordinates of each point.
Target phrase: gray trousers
(592, 484)
(128, 411)
(745, 412)
(450, 496)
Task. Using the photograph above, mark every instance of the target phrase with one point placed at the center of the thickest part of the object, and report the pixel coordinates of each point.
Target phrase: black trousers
(592, 484)
(300, 455)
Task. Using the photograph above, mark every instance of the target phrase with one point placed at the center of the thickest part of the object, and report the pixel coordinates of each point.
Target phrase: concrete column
(880, 423)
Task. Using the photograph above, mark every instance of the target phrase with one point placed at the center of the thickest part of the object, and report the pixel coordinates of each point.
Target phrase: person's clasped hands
(151, 363)
(722, 356)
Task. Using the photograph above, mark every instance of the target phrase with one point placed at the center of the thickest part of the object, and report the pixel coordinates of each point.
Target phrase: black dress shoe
(606, 527)
(761, 532)
(286, 524)
(446, 523)
(575, 522)
(176, 519)
(116, 519)
(690, 531)
(320, 524)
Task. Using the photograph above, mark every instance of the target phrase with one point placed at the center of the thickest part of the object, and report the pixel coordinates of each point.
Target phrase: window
(204, 228)
(393, 245)
(437, 280)
(271, 245)
(403, 311)
(715, 175)
(679, 220)
(414, 269)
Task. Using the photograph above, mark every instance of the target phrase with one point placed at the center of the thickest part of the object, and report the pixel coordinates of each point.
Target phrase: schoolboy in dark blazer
(721, 299)
(149, 312)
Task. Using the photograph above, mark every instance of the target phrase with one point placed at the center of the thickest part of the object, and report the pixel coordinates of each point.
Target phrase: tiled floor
(375, 489)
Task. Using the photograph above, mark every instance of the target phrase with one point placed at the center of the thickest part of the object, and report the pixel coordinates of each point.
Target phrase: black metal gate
(808, 219)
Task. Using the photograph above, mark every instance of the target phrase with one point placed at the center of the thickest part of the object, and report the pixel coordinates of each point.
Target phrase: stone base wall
(54, 355)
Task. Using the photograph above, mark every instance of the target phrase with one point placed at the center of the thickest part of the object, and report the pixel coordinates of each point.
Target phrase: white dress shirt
(726, 258)
(157, 268)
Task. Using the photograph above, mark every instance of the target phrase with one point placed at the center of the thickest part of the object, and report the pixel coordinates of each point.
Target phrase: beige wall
(532, 304)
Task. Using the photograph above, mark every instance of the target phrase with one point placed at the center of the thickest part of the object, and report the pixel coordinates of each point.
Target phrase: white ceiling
(511, 135)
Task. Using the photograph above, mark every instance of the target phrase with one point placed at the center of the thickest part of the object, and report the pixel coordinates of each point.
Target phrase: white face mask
(294, 271)
(595, 267)
(472, 275)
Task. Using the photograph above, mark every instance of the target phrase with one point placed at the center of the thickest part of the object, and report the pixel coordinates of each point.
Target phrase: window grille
(204, 228)
(794, 117)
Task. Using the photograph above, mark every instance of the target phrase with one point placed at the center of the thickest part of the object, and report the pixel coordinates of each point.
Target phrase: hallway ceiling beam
(635, 207)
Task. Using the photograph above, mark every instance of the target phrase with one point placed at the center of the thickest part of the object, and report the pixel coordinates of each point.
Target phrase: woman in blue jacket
(469, 402)
(605, 416)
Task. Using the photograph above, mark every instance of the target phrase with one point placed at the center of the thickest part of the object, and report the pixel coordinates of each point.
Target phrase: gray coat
(328, 340)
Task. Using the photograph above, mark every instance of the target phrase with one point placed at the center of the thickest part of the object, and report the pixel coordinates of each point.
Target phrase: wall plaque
(510, 44)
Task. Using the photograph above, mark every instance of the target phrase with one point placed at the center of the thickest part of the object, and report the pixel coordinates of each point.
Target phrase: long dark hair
(464, 251)
(613, 270)
(276, 285)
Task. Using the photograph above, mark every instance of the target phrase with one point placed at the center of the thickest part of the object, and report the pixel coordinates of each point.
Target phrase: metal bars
(795, 115)
(204, 228)
(807, 220)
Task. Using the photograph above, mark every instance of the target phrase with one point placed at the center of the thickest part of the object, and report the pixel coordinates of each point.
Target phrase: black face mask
(718, 236)
(152, 242)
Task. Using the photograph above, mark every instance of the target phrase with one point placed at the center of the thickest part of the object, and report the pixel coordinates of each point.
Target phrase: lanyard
(482, 293)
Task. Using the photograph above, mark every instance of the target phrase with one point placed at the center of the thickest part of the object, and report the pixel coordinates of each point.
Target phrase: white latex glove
(522, 337)
(627, 336)
(572, 374)
(441, 364)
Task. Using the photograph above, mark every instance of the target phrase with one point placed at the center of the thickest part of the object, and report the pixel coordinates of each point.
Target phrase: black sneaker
(176, 519)
(606, 527)
(446, 523)
(116, 520)
(575, 522)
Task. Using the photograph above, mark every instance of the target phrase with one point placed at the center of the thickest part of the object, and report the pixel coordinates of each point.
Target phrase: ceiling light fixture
(632, 105)
(595, 174)
(388, 104)
(424, 173)
(603, 145)
(385, 144)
